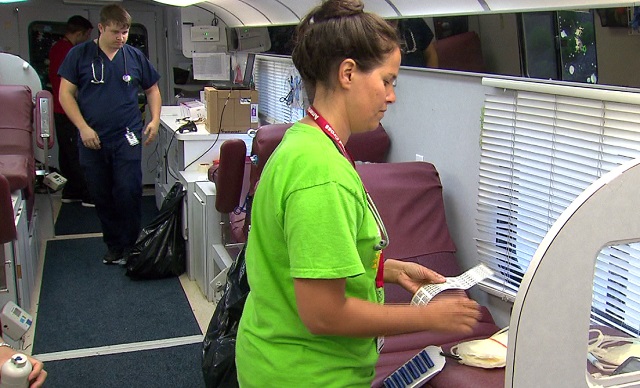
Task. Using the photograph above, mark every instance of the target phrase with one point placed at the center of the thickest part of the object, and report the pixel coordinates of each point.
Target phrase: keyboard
(418, 370)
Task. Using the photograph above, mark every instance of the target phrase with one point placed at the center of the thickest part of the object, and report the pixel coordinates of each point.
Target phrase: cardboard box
(194, 110)
(239, 115)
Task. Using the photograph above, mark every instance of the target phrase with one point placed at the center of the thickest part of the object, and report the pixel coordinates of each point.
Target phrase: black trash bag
(159, 251)
(219, 346)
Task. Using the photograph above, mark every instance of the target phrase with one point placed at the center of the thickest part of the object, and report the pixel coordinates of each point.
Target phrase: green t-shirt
(309, 219)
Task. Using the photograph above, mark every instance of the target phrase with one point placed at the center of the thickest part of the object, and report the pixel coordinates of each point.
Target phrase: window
(539, 151)
(280, 90)
(558, 45)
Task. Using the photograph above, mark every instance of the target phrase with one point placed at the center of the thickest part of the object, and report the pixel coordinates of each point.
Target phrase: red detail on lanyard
(380, 274)
(329, 131)
(333, 135)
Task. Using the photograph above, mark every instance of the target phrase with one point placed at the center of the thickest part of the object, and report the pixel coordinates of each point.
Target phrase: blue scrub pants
(114, 180)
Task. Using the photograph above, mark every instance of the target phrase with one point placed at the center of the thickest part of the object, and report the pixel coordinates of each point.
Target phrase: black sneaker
(111, 258)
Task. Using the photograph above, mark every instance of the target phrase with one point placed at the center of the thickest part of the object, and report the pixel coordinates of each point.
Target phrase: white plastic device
(15, 321)
(15, 372)
(55, 181)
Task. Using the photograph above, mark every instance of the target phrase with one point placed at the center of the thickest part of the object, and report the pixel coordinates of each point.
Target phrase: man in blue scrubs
(99, 87)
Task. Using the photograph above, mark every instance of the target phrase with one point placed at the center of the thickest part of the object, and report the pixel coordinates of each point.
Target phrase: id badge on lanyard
(380, 294)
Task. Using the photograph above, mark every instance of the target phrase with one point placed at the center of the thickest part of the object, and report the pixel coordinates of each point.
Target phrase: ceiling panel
(437, 7)
(276, 12)
(538, 5)
(253, 12)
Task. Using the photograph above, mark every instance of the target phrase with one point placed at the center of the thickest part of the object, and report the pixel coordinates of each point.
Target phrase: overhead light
(11, 1)
(179, 3)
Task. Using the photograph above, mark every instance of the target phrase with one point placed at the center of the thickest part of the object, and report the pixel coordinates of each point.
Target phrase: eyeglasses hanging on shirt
(126, 77)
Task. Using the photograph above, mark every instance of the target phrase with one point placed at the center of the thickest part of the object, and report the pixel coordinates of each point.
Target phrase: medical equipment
(418, 370)
(126, 77)
(484, 353)
(15, 372)
(15, 321)
(54, 181)
(551, 314)
(608, 352)
(384, 237)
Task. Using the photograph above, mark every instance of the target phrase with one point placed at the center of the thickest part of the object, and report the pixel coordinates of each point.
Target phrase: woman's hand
(410, 276)
(38, 374)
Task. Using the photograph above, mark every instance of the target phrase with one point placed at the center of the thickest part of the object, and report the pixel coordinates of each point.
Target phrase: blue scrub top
(109, 107)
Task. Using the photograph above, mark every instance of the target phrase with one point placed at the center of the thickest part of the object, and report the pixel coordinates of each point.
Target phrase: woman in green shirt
(314, 264)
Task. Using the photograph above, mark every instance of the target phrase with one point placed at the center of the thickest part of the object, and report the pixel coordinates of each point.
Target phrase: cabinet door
(22, 259)
(199, 241)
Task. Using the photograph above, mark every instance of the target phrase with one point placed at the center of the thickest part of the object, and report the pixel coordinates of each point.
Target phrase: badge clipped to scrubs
(131, 138)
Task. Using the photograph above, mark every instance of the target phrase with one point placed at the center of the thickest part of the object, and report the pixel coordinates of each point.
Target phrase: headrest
(17, 100)
(409, 199)
(372, 146)
(229, 175)
(460, 52)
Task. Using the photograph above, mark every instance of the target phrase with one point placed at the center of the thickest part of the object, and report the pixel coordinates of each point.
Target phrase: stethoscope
(405, 43)
(384, 238)
(126, 77)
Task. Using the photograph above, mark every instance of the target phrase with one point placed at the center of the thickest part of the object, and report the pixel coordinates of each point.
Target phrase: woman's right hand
(453, 312)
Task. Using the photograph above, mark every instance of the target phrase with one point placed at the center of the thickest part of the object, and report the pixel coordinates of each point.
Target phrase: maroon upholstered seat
(409, 199)
(16, 169)
(17, 164)
(372, 146)
(460, 52)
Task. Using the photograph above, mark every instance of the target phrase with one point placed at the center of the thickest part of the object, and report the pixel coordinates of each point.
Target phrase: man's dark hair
(78, 23)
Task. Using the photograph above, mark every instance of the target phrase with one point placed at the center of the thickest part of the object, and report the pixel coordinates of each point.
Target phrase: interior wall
(437, 114)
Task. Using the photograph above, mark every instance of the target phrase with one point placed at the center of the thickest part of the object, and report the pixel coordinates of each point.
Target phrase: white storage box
(193, 110)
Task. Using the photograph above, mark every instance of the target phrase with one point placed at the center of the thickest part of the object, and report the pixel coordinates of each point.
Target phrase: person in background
(37, 376)
(315, 315)
(416, 42)
(99, 93)
(78, 30)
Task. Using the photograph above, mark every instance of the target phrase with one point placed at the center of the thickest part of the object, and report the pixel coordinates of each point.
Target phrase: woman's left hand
(410, 276)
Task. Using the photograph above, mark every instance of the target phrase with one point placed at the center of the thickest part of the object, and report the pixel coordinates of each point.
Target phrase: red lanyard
(329, 131)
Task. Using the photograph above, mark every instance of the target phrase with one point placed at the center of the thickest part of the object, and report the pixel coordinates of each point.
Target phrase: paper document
(462, 282)
(211, 66)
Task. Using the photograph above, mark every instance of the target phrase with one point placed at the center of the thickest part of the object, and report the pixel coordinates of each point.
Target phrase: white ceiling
(278, 12)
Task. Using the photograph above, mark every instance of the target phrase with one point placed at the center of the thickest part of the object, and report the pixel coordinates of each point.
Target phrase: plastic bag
(219, 346)
(159, 251)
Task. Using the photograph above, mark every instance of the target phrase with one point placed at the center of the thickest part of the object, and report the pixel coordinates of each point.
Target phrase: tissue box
(194, 110)
(238, 116)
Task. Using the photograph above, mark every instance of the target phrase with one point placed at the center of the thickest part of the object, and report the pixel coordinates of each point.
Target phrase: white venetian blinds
(279, 90)
(540, 150)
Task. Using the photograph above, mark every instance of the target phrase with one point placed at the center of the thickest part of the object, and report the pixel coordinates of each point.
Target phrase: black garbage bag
(219, 346)
(159, 251)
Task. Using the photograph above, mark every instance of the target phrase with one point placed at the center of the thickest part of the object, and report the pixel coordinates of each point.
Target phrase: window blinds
(279, 90)
(539, 151)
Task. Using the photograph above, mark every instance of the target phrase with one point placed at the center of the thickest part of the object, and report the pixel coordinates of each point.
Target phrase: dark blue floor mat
(84, 303)
(77, 219)
(175, 367)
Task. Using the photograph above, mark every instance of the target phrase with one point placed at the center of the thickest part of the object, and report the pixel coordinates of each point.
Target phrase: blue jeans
(114, 180)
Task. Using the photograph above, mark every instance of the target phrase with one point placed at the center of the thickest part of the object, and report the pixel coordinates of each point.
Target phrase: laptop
(246, 81)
